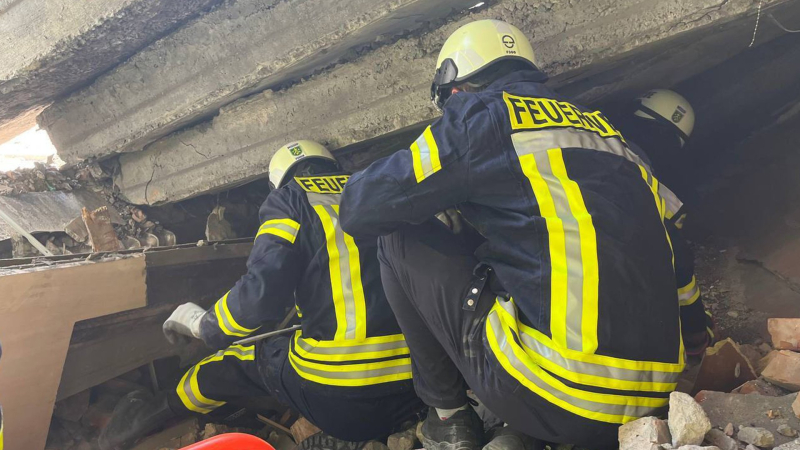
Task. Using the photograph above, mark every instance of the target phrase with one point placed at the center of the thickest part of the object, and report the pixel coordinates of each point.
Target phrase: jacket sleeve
(413, 184)
(693, 315)
(267, 289)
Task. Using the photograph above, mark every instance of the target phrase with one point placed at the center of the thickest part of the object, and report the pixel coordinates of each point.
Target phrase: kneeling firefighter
(565, 321)
(348, 370)
(661, 122)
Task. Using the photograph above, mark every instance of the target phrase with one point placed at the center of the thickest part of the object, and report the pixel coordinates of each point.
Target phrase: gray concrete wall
(239, 49)
(50, 47)
(387, 89)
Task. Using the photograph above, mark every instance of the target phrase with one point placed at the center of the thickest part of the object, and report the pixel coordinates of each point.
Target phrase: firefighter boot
(461, 431)
(136, 415)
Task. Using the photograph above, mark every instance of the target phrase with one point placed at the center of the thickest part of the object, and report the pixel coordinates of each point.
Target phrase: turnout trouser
(238, 372)
(429, 278)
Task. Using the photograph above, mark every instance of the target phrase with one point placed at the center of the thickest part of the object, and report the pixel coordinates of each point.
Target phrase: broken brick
(719, 439)
(759, 387)
(785, 333)
(101, 233)
(302, 429)
(723, 368)
(784, 370)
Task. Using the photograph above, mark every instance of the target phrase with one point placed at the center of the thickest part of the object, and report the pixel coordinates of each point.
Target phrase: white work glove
(183, 324)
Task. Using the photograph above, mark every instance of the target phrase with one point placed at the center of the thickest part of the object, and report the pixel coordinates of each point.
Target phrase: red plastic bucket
(231, 441)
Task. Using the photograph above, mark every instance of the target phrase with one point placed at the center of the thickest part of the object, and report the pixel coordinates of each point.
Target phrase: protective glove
(183, 324)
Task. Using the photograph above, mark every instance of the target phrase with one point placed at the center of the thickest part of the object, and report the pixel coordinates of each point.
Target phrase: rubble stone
(729, 429)
(720, 439)
(784, 370)
(688, 423)
(302, 429)
(697, 447)
(787, 431)
(793, 445)
(760, 437)
(796, 406)
(405, 440)
(760, 387)
(785, 333)
(640, 434)
(751, 447)
(764, 362)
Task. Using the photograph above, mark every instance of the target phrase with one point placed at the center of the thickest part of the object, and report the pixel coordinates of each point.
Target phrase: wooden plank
(37, 315)
(106, 347)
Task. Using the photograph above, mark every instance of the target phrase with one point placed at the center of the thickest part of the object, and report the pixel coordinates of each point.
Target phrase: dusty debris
(302, 429)
(688, 423)
(785, 333)
(760, 387)
(723, 368)
(642, 434)
(217, 228)
(102, 236)
(177, 436)
(720, 439)
(72, 408)
(784, 370)
(760, 437)
(723, 408)
(697, 447)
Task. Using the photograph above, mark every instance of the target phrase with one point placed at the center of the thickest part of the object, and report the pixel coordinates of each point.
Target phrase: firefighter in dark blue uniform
(564, 321)
(661, 122)
(348, 370)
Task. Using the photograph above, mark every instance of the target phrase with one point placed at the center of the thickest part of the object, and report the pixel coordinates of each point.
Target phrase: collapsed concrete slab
(51, 47)
(241, 48)
(387, 89)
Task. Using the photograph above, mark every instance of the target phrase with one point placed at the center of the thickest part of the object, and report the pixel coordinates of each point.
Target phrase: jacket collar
(518, 76)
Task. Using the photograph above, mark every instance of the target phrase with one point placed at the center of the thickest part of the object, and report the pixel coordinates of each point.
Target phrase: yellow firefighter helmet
(474, 47)
(669, 108)
(291, 154)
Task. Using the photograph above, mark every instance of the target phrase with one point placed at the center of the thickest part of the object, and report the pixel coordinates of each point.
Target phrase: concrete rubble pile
(130, 224)
(761, 413)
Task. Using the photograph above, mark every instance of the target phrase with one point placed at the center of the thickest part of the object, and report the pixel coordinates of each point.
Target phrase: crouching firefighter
(348, 370)
(661, 123)
(565, 320)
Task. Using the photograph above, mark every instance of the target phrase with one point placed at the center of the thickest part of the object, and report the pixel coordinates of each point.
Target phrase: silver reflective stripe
(674, 204)
(187, 389)
(686, 297)
(543, 140)
(572, 244)
(356, 374)
(587, 368)
(280, 226)
(588, 405)
(351, 349)
(327, 201)
(424, 155)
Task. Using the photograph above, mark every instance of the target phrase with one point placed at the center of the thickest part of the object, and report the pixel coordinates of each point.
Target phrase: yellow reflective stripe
(353, 374)
(360, 306)
(225, 319)
(335, 271)
(689, 294)
(588, 244)
(1, 430)
(369, 340)
(425, 156)
(342, 351)
(568, 368)
(283, 228)
(189, 390)
(552, 387)
(653, 184)
(557, 247)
